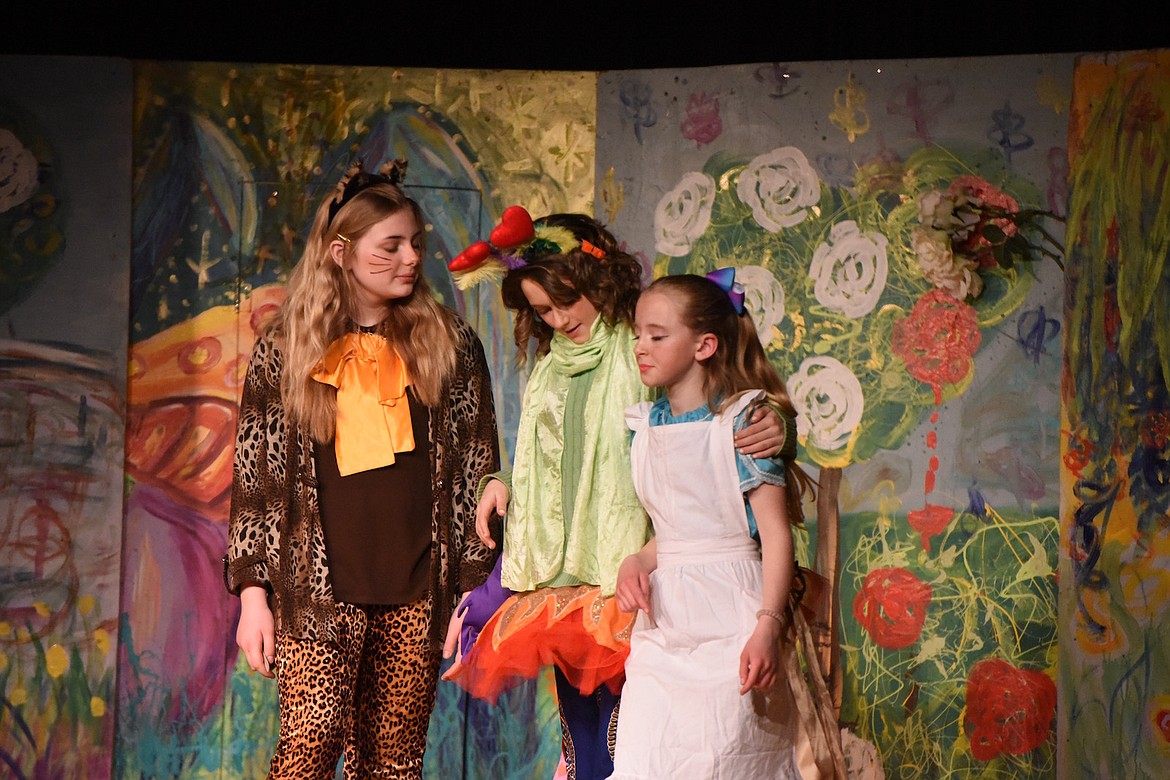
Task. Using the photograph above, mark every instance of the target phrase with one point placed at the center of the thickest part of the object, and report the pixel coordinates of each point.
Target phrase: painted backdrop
(901, 231)
(1115, 519)
(229, 162)
(898, 229)
(64, 247)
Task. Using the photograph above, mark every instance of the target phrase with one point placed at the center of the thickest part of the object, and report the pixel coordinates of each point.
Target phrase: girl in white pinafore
(705, 696)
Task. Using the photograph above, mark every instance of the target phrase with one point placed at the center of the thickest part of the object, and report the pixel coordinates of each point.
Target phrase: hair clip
(724, 278)
(392, 172)
(592, 249)
(342, 238)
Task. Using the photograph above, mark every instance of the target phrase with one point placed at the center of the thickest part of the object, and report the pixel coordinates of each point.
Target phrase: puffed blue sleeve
(754, 472)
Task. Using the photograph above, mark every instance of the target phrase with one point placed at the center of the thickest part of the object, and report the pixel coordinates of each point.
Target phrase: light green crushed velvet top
(573, 515)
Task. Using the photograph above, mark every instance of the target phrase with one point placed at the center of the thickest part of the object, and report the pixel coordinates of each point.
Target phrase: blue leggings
(588, 727)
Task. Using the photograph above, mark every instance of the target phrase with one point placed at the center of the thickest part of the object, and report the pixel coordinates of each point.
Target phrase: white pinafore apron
(681, 714)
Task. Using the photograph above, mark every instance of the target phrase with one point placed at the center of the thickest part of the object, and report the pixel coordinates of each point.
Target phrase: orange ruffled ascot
(572, 627)
(373, 414)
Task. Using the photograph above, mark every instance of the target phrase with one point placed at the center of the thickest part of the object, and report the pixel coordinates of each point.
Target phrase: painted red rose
(937, 339)
(1009, 710)
(891, 607)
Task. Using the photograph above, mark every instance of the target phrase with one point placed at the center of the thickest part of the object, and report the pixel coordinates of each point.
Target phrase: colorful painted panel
(844, 192)
(898, 229)
(64, 209)
(229, 161)
(1115, 534)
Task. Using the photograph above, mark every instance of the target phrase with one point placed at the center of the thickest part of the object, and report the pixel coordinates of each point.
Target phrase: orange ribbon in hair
(373, 414)
(592, 249)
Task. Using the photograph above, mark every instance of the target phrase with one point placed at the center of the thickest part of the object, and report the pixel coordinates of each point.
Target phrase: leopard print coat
(275, 537)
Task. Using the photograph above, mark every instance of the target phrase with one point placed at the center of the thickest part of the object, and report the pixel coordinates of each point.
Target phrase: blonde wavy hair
(319, 308)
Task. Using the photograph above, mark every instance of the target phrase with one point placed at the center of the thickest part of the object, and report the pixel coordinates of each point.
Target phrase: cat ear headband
(724, 278)
(512, 244)
(392, 172)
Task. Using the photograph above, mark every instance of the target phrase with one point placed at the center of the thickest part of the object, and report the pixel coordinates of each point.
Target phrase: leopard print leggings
(369, 696)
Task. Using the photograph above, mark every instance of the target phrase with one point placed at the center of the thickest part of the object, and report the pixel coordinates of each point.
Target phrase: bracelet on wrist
(775, 614)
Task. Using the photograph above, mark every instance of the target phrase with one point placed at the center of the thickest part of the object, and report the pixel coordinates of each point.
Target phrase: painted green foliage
(872, 301)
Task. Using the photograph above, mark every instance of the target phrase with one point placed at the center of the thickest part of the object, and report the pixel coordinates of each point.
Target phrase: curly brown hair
(612, 283)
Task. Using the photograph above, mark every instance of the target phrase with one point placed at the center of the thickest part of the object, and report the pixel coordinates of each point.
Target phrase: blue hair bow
(725, 279)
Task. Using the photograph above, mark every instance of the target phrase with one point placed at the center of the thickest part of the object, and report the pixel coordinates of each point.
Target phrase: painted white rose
(828, 401)
(941, 268)
(18, 171)
(861, 757)
(849, 270)
(763, 298)
(779, 187)
(683, 214)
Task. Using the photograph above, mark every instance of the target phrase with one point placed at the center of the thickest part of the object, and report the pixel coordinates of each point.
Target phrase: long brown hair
(319, 308)
(611, 283)
(739, 362)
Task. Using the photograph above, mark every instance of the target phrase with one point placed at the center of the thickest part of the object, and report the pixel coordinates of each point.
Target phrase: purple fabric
(479, 606)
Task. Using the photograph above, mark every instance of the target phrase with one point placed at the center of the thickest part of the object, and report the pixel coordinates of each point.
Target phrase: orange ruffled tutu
(574, 628)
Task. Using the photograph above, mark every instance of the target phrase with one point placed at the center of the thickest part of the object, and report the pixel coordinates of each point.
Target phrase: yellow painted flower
(42, 608)
(5, 629)
(22, 634)
(97, 706)
(56, 661)
(17, 696)
(101, 638)
(85, 604)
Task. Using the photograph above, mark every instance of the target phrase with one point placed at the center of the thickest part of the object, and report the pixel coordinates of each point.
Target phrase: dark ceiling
(558, 35)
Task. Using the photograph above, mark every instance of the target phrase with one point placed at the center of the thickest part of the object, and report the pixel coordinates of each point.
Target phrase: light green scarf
(608, 522)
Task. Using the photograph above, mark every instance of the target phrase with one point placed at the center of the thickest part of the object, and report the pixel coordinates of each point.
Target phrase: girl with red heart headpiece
(568, 508)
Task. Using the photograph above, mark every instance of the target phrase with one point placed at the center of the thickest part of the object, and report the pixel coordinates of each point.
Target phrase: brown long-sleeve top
(275, 536)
